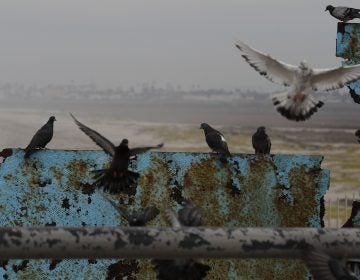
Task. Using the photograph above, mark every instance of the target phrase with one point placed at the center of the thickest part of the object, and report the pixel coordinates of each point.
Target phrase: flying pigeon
(261, 141)
(343, 13)
(182, 269)
(137, 218)
(41, 138)
(355, 211)
(215, 139)
(297, 103)
(117, 178)
(324, 267)
(357, 134)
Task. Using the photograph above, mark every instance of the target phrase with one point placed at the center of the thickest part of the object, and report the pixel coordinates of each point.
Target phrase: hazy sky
(185, 42)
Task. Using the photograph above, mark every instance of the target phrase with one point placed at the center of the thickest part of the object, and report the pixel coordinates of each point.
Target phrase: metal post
(165, 243)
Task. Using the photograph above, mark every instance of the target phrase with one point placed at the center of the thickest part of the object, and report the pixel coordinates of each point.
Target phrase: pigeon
(182, 269)
(137, 218)
(41, 138)
(343, 13)
(357, 134)
(355, 211)
(261, 141)
(215, 139)
(324, 267)
(297, 103)
(117, 178)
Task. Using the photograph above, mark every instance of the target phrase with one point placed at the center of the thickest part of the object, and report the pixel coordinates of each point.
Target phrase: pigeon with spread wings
(297, 103)
(117, 178)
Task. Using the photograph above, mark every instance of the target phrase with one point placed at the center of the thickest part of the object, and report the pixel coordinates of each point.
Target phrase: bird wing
(216, 140)
(274, 70)
(139, 150)
(342, 12)
(319, 264)
(41, 137)
(172, 218)
(190, 215)
(149, 213)
(334, 78)
(99, 140)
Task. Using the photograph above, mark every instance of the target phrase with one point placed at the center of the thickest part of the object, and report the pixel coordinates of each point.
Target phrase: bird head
(52, 119)
(124, 142)
(329, 8)
(204, 126)
(304, 65)
(261, 129)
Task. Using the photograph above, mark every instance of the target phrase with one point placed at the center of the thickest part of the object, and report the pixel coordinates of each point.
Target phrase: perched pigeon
(324, 267)
(117, 178)
(215, 139)
(182, 269)
(357, 134)
(297, 103)
(343, 13)
(137, 218)
(261, 141)
(355, 212)
(41, 138)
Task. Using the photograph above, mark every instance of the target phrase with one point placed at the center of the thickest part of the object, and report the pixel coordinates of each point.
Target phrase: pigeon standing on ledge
(297, 103)
(215, 139)
(117, 178)
(261, 141)
(41, 138)
(343, 14)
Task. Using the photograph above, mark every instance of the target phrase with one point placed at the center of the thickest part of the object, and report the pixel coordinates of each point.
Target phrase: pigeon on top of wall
(297, 103)
(117, 178)
(355, 211)
(182, 269)
(343, 14)
(136, 218)
(357, 134)
(215, 139)
(41, 138)
(261, 141)
(323, 266)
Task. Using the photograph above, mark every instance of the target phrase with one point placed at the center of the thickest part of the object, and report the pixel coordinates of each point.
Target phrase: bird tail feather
(115, 183)
(296, 110)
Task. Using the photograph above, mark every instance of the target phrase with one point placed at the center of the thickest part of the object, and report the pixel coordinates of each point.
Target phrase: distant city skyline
(186, 43)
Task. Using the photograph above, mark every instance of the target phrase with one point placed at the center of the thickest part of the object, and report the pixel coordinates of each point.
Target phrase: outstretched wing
(189, 215)
(172, 218)
(319, 264)
(274, 70)
(149, 213)
(100, 140)
(330, 79)
(139, 150)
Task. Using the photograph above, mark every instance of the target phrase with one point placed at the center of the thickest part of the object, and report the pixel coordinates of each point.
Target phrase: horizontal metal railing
(165, 243)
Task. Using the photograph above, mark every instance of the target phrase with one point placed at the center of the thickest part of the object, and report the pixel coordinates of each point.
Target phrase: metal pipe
(165, 243)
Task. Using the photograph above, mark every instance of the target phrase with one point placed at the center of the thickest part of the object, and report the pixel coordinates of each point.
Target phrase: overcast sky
(182, 42)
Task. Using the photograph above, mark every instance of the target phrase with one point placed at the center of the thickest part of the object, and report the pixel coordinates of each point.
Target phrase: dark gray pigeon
(117, 178)
(324, 267)
(343, 13)
(215, 139)
(357, 134)
(137, 218)
(355, 212)
(182, 269)
(41, 138)
(261, 141)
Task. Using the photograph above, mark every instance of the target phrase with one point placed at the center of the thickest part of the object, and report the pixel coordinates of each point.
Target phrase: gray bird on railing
(357, 134)
(215, 140)
(261, 141)
(41, 138)
(182, 269)
(343, 13)
(355, 212)
(117, 178)
(325, 267)
(297, 103)
(136, 218)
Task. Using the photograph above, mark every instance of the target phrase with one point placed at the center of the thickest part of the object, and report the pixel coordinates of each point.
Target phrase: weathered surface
(348, 47)
(54, 188)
